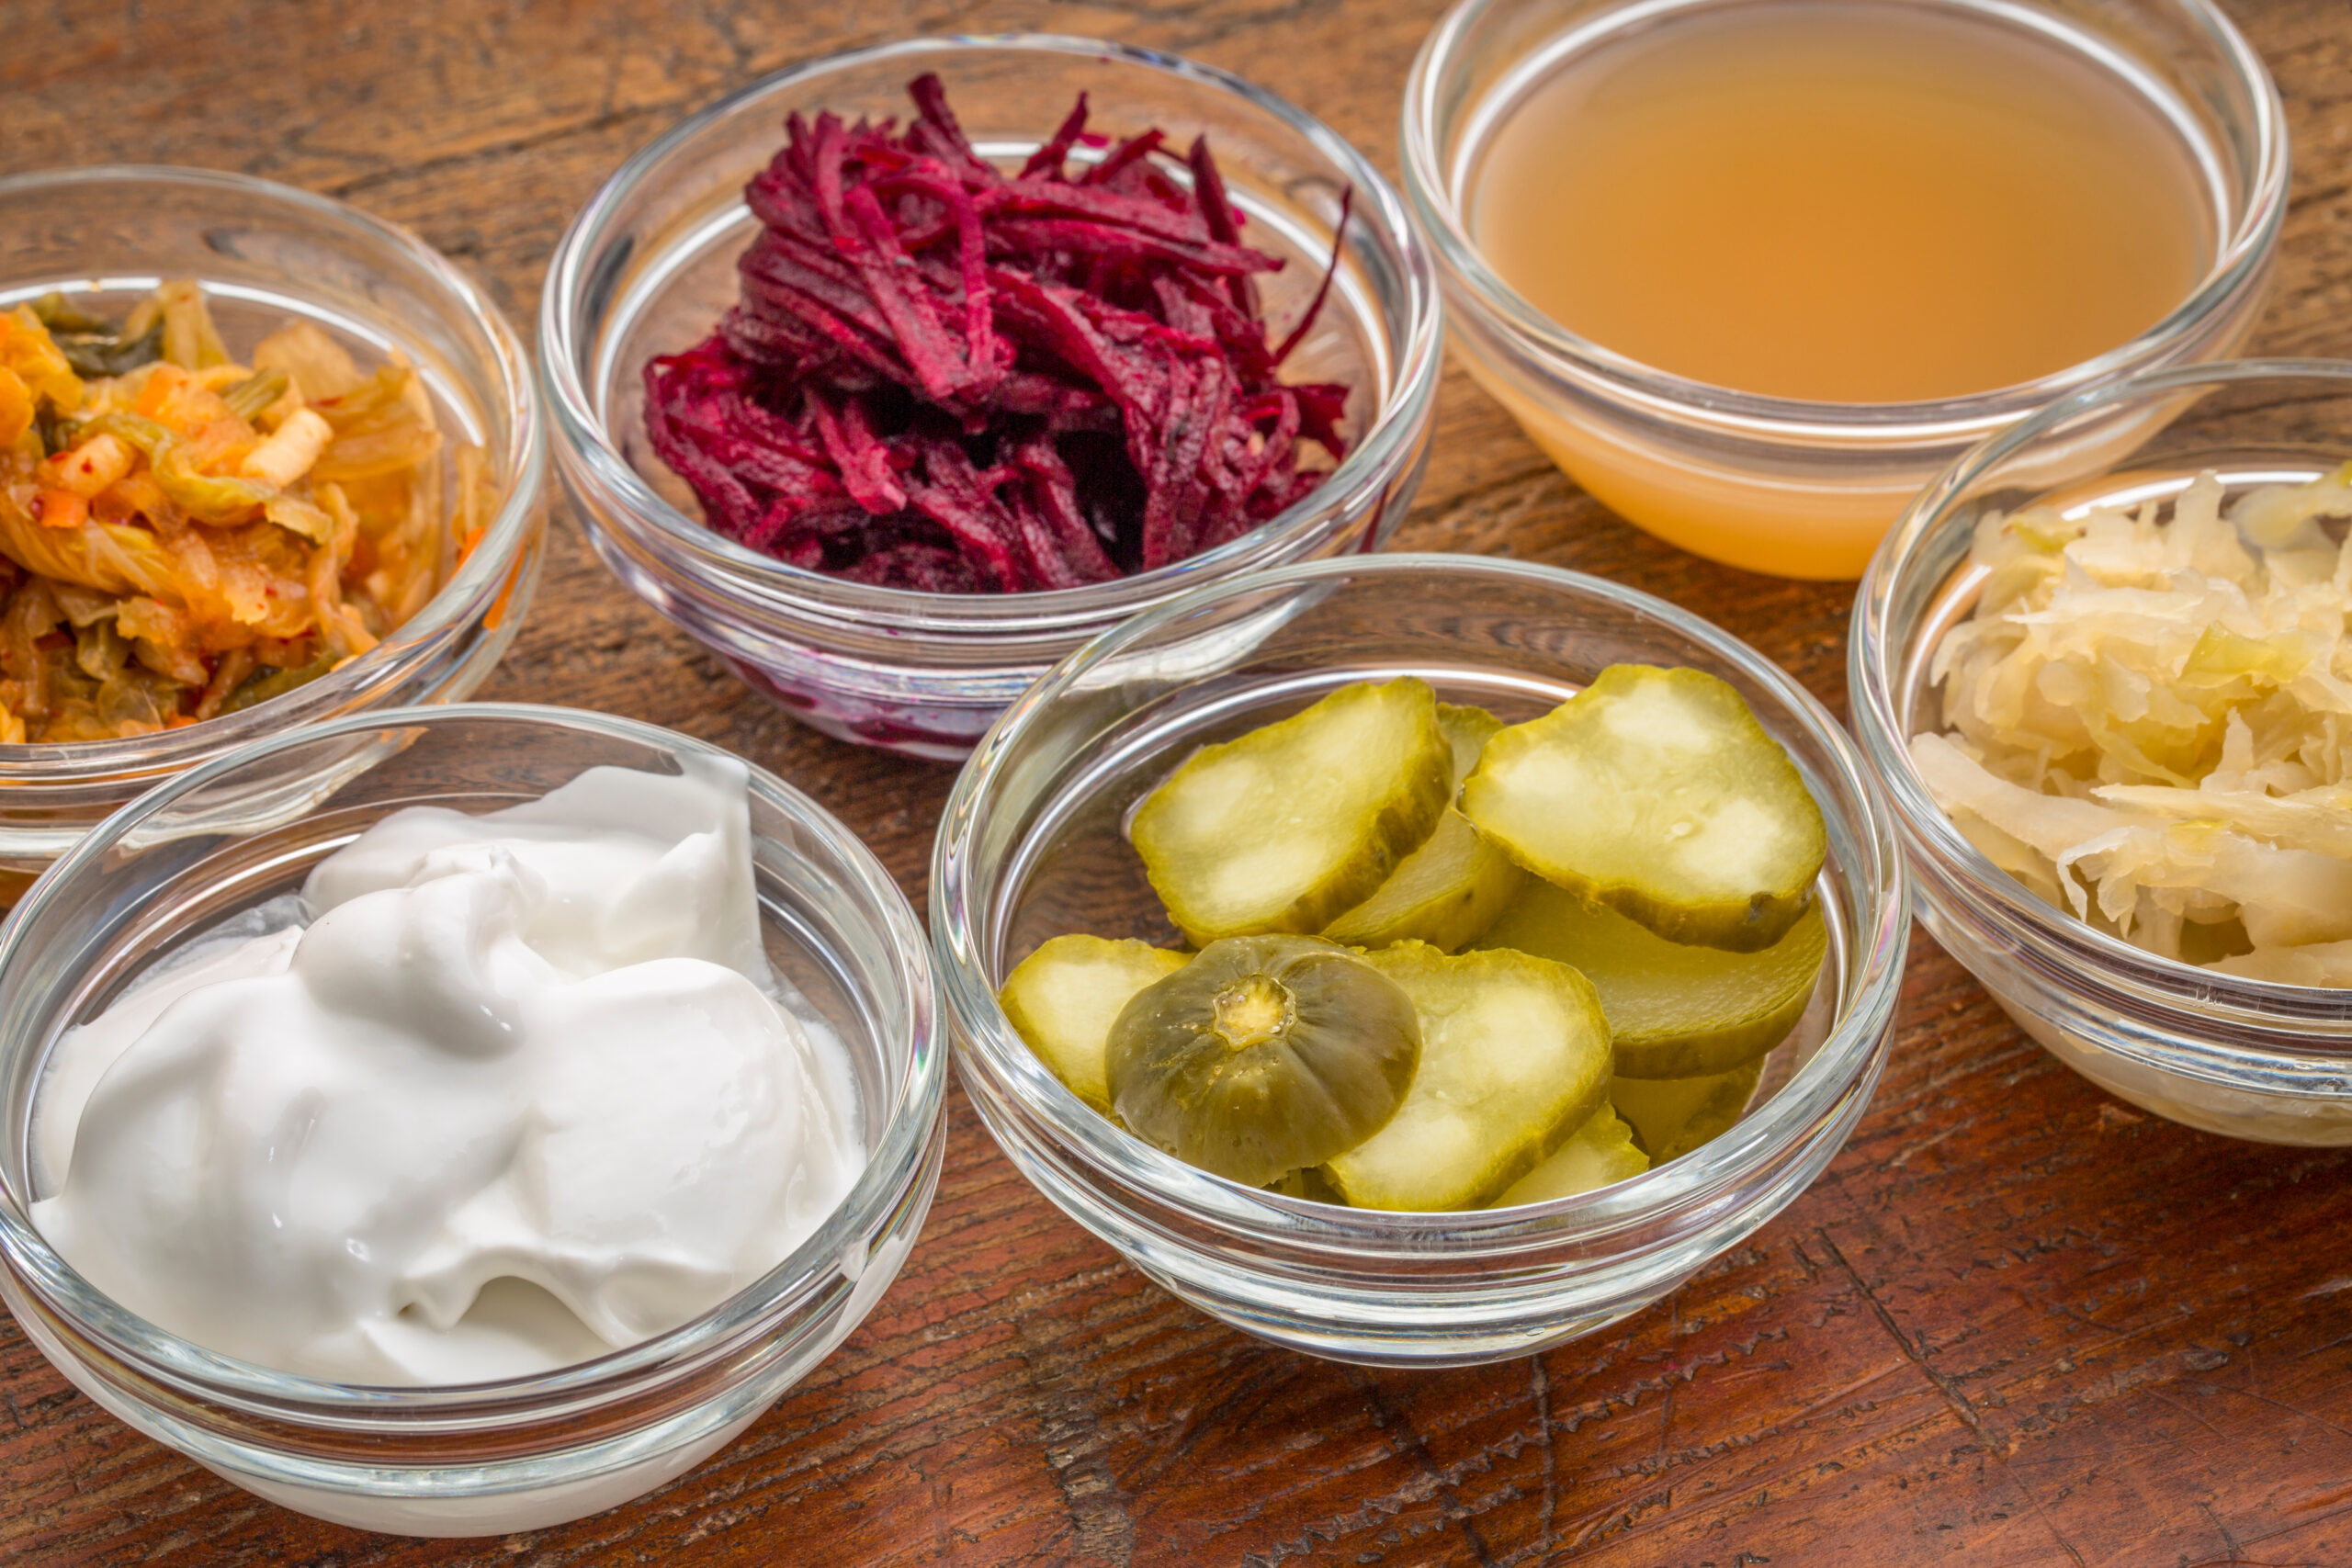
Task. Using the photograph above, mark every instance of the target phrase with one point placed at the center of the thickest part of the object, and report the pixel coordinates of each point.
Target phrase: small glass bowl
(495, 1456)
(1785, 486)
(267, 254)
(648, 267)
(2247, 1058)
(1031, 846)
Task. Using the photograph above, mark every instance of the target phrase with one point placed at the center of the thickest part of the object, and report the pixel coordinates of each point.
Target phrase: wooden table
(2017, 1322)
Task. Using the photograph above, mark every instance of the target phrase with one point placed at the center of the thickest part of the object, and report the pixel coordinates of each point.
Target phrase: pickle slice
(1675, 1011)
(1281, 829)
(1452, 888)
(1263, 1055)
(1599, 1153)
(1673, 1116)
(1514, 1054)
(1063, 998)
(1656, 791)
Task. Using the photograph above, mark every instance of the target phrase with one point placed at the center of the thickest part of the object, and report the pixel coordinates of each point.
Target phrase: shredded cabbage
(2149, 722)
(166, 554)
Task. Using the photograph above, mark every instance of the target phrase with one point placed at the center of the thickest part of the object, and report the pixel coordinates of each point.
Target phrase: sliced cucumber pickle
(1600, 1153)
(1673, 1116)
(1063, 998)
(1675, 1011)
(1656, 791)
(1514, 1055)
(1283, 828)
(1263, 1055)
(1452, 888)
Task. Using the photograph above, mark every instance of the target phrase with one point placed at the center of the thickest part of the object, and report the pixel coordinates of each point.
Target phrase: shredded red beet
(940, 376)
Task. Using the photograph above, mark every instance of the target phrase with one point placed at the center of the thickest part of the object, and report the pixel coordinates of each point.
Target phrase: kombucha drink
(1851, 201)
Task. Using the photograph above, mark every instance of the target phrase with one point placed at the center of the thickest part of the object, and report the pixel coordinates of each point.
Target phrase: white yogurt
(523, 1090)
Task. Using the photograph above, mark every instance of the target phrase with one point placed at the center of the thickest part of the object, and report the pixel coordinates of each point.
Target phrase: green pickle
(1063, 998)
(1672, 1116)
(1514, 1056)
(1614, 1011)
(1599, 1153)
(1675, 1011)
(1451, 890)
(1656, 791)
(1263, 1055)
(1284, 828)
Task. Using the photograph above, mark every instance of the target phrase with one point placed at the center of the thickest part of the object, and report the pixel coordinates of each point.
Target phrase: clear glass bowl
(267, 254)
(2247, 1058)
(494, 1457)
(1031, 846)
(649, 267)
(1776, 485)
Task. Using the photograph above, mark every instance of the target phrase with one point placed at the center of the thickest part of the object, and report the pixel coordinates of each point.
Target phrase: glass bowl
(1783, 486)
(649, 267)
(267, 254)
(1031, 846)
(494, 1457)
(2248, 1058)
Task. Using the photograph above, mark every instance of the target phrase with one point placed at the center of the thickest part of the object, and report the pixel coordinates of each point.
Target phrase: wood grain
(2017, 1323)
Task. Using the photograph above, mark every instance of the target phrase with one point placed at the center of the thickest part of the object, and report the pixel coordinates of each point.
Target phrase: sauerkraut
(183, 534)
(2149, 722)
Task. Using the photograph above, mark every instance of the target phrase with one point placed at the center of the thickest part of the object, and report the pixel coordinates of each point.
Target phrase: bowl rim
(1873, 669)
(2248, 235)
(584, 448)
(1848, 1055)
(896, 1159)
(476, 579)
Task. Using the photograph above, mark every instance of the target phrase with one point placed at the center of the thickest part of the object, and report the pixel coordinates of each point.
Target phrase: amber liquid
(1843, 201)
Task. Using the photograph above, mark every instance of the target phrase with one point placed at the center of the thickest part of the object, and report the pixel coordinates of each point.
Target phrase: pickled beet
(944, 378)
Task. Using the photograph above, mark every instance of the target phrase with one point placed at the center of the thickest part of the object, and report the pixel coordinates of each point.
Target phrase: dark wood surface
(2017, 1323)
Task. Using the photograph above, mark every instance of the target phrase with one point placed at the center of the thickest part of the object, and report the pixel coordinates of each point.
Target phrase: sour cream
(496, 1094)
